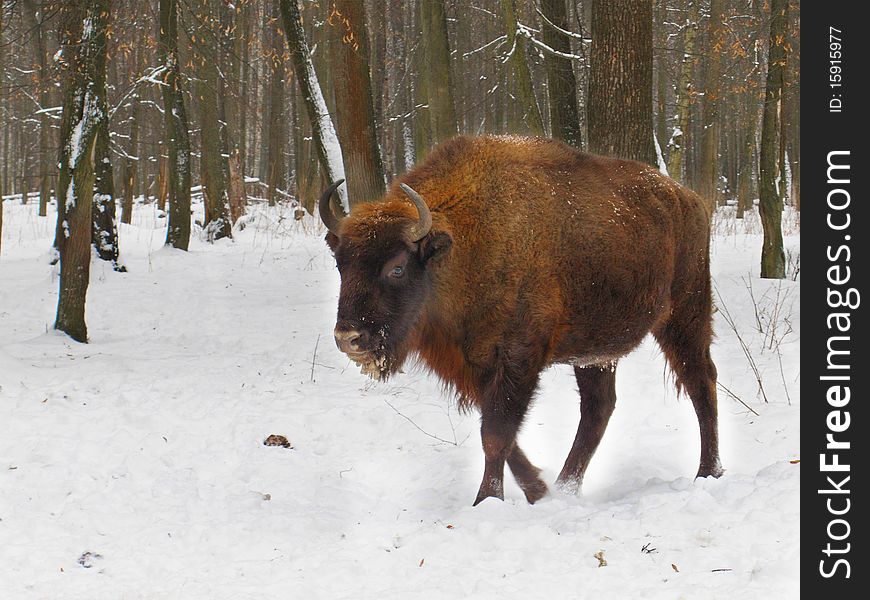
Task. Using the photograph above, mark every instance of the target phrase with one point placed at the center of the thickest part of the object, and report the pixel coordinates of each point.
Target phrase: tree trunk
(105, 229)
(620, 80)
(354, 110)
(232, 103)
(162, 184)
(708, 174)
(323, 131)
(5, 129)
(83, 34)
(132, 158)
(746, 163)
(376, 28)
(44, 159)
(770, 204)
(661, 57)
(685, 95)
(177, 137)
(422, 121)
(561, 83)
(277, 138)
(207, 89)
(442, 112)
(243, 44)
(516, 42)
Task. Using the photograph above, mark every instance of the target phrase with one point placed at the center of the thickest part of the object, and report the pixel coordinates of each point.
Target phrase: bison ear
(434, 244)
(332, 241)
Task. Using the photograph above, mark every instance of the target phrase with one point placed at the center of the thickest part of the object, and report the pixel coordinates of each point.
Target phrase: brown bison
(517, 253)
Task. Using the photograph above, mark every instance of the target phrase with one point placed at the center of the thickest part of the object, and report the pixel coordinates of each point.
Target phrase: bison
(498, 256)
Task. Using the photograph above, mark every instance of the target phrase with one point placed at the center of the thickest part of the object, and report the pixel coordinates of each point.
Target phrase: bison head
(385, 256)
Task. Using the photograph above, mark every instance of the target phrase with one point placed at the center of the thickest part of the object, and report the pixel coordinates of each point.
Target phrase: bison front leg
(503, 409)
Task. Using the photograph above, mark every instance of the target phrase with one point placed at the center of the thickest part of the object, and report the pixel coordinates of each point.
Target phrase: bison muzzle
(499, 256)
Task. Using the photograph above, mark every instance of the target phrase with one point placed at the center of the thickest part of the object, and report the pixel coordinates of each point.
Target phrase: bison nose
(349, 340)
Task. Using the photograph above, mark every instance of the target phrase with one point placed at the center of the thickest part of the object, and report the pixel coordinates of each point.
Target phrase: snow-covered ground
(134, 466)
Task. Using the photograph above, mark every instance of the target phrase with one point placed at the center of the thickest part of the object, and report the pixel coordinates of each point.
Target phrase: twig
(730, 320)
(733, 395)
(782, 374)
(314, 357)
(409, 420)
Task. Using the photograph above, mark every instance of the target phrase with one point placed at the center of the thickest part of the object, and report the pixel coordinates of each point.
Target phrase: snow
(134, 466)
(663, 166)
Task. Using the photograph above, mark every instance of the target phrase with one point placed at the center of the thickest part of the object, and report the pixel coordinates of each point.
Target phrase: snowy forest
(174, 416)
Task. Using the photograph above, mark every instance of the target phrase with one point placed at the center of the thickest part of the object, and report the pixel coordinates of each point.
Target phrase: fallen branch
(411, 421)
(736, 397)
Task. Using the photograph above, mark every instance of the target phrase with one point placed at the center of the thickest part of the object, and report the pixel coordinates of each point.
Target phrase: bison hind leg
(526, 475)
(685, 340)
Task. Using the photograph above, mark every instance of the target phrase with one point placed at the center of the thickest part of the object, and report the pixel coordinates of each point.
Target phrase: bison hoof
(481, 498)
(489, 488)
(534, 491)
(569, 485)
(713, 470)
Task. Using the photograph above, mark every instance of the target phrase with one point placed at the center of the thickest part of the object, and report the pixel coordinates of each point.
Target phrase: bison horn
(419, 230)
(326, 214)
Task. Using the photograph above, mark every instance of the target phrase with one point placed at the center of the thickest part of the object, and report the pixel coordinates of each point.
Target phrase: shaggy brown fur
(538, 254)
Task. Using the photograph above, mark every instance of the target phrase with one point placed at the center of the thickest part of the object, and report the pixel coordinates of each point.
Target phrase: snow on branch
(565, 32)
(527, 33)
(151, 76)
(499, 40)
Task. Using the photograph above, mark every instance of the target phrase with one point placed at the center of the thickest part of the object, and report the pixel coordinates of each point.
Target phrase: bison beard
(499, 256)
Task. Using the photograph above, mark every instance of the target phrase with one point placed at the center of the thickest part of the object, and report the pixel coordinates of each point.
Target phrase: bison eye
(397, 271)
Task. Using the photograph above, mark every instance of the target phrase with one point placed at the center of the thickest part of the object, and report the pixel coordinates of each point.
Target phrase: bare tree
(561, 83)
(276, 138)
(523, 78)
(177, 137)
(770, 205)
(325, 139)
(207, 86)
(709, 156)
(436, 47)
(83, 41)
(685, 94)
(36, 13)
(105, 228)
